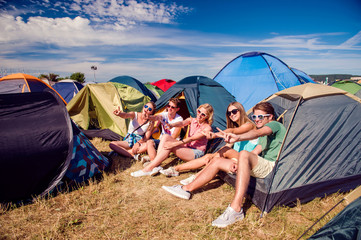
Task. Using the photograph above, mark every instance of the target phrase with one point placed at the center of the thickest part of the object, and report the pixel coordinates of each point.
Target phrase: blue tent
(254, 76)
(68, 88)
(127, 80)
(303, 75)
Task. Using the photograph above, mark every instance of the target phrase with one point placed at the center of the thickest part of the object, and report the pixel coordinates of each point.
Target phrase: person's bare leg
(151, 149)
(224, 152)
(209, 172)
(162, 154)
(120, 148)
(246, 162)
(142, 148)
(194, 164)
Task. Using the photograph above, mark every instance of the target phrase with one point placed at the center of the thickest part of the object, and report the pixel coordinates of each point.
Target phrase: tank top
(134, 124)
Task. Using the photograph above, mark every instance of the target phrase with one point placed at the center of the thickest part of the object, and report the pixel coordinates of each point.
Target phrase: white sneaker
(188, 180)
(178, 191)
(136, 157)
(145, 159)
(141, 173)
(146, 164)
(229, 216)
(170, 172)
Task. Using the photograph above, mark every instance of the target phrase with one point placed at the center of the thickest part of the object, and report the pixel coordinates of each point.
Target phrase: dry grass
(123, 207)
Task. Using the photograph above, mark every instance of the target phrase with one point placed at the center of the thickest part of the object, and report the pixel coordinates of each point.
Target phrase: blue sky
(152, 40)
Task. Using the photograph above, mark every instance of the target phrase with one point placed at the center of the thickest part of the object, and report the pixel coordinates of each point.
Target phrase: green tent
(93, 106)
(348, 86)
(157, 92)
(346, 225)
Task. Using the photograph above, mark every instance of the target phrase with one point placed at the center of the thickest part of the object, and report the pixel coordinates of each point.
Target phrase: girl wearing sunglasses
(139, 131)
(237, 123)
(190, 148)
(162, 119)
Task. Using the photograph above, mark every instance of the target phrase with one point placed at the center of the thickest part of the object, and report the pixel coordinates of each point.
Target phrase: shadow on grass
(118, 163)
(216, 183)
(64, 187)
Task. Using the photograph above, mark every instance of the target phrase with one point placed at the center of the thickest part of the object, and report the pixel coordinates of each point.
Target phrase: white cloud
(310, 41)
(59, 31)
(119, 37)
(355, 40)
(128, 12)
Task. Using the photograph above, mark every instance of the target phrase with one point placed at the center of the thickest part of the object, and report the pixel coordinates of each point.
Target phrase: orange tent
(22, 83)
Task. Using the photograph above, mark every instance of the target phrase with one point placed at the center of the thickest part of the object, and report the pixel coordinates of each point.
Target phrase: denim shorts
(197, 153)
(156, 143)
(132, 138)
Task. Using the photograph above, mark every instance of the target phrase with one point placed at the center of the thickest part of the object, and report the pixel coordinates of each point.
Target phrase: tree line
(77, 76)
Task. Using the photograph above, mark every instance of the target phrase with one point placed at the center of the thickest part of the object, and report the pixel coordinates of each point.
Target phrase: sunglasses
(202, 114)
(234, 111)
(172, 107)
(147, 107)
(260, 117)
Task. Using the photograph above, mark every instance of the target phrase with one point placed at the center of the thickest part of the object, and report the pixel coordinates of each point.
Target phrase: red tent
(164, 84)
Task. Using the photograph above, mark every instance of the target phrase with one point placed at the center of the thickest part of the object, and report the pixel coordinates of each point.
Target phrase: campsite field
(122, 207)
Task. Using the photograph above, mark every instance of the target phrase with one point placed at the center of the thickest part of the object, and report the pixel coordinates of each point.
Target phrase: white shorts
(263, 168)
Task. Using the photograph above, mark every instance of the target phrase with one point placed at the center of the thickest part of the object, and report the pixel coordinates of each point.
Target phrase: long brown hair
(151, 123)
(243, 118)
(153, 106)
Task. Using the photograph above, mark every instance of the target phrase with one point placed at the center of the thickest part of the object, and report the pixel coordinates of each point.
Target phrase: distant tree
(51, 77)
(78, 76)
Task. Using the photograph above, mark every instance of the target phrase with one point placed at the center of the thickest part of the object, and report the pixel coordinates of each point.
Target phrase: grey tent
(321, 151)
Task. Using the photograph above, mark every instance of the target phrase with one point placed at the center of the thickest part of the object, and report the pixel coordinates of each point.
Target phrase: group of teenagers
(251, 147)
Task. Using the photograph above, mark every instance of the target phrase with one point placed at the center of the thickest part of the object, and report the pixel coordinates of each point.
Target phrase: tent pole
(278, 156)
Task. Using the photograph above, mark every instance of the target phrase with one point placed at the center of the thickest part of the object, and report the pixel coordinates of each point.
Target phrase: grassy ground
(122, 207)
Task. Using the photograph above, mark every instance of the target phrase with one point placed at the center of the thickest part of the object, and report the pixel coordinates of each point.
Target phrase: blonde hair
(208, 107)
(243, 118)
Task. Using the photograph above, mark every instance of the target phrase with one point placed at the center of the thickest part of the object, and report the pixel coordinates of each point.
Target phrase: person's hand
(136, 147)
(171, 145)
(152, 118)
(117, 111)
(209, 134)
(228, 137)
(167, 126)
(233, 168)
(208, 158)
